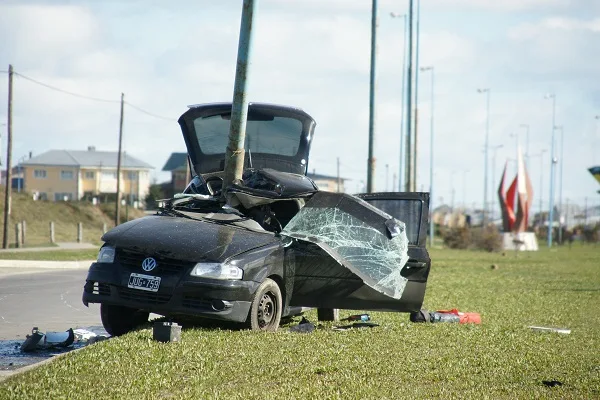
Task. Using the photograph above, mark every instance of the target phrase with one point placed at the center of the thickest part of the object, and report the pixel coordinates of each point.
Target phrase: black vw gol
(276, 244)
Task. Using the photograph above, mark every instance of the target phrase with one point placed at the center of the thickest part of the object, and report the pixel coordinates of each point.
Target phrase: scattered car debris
(39, 340)
(305, 326)
(358, 317)
(453, 316)
(564, 331)
(552, 383)
(88, 337)
(166, 332)
(355, 325)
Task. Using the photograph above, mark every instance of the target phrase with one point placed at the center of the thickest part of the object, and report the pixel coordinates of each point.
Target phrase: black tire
(266, 307)
(119, 320)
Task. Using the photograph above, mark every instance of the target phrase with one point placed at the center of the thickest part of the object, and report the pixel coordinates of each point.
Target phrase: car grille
(97, 288)
(190, 301)
(133, 260)
(142, 296)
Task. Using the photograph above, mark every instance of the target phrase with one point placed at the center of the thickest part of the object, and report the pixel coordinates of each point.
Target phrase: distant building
(327, 183)
(77, 174)
(178, 166)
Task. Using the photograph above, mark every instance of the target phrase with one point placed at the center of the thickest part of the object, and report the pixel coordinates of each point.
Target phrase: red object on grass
(465, 317)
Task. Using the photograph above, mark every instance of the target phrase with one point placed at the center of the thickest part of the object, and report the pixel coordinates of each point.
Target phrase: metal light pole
(408, 171)
(495, 148)
(387, 173)
(403, 101)
(560, 182)
(372, 83)
(552, 171)
(526, 126)
(596, 148)
(487, 141)
(431, 153)
(235, 152)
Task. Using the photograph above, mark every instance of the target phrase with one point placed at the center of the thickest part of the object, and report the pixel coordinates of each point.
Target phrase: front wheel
(119, 320)
(266, 307)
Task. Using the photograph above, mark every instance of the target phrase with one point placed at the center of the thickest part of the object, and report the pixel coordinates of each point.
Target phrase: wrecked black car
(276, 244)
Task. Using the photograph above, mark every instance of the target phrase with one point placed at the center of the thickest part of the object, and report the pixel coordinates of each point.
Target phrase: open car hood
(277, 137)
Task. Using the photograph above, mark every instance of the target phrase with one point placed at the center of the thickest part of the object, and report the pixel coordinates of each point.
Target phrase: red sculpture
(521, 187)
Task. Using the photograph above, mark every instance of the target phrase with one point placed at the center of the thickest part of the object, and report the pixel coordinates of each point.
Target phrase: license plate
(144, 282)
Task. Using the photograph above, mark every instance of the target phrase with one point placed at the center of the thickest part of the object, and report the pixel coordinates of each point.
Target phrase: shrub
(488, 239)
(457, 238)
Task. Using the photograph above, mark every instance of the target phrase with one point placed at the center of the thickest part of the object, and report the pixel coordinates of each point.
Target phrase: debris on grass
(452, 315)
(305, 326)
(355, 325)
(166, 332)
(39, 340)
(552, 383)
(564, 331)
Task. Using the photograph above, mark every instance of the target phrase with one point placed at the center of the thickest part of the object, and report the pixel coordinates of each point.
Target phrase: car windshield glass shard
(365, 248)
(274, 135)
(410, 208)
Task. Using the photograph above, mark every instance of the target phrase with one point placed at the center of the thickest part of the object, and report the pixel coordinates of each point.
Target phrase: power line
(90, 97)
(65, 91)
(148, 112)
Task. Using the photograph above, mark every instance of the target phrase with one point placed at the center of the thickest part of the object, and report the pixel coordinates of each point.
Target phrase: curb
(4, 375)
(83, 264)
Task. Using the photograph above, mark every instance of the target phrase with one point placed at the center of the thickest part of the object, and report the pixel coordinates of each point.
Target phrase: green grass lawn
(502, 358)
(52, 255)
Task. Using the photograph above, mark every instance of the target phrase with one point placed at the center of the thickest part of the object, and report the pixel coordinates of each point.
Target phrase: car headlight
(217, 271)
(106, 255)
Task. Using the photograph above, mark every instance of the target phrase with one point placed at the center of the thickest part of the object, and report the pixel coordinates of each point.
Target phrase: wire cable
(81, 96)
(149, 113)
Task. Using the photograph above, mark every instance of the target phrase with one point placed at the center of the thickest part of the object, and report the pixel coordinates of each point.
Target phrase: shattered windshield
(270, 135)
(359, 246)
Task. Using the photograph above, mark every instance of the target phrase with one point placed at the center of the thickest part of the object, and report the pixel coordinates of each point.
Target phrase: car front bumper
(178, 293)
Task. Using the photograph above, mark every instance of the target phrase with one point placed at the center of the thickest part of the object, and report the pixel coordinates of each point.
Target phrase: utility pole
(7, 187)
(234, 154)
(552, 171)
(431, 154)
(339, 184)
(118, 205)
(415, 148)
(394, 183)
(560, 184)
(372, 83)
(403, 102)
(409, 95)
(487, 148)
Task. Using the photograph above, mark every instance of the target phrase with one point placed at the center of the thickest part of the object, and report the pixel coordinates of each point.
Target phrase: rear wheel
(266, 307)
(118, 320)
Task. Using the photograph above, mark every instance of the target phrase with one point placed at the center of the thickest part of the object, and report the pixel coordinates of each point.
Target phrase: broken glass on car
(368, 242)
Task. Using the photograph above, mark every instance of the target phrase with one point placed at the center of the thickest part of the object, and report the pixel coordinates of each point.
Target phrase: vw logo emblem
(148, 264)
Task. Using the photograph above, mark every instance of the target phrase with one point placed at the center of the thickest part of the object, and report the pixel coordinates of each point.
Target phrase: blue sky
(314, 54)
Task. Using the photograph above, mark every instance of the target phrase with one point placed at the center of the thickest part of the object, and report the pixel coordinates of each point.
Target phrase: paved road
(50, 300)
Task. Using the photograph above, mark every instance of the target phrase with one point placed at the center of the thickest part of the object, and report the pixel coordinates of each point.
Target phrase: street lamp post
(495, 149)
(402, 103)
(487, 140)
(560, 182)
(431, 153)
(552, 171)
(596, 148)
